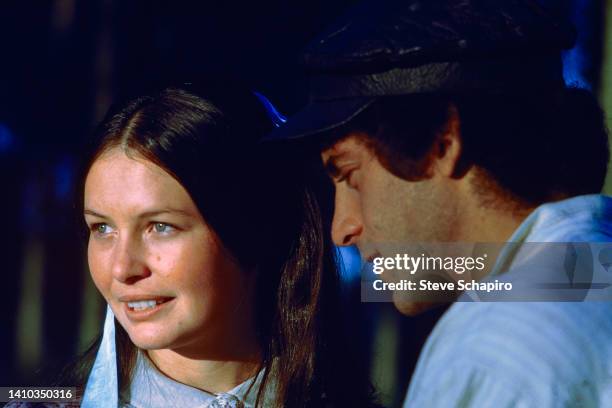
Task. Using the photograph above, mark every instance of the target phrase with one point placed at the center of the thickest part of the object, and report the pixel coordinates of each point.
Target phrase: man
(448, 121)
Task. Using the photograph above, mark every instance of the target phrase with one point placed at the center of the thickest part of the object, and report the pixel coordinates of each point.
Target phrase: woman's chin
(149, 339)
(149, 343)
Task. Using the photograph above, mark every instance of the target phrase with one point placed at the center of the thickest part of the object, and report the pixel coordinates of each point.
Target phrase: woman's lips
(143, 308)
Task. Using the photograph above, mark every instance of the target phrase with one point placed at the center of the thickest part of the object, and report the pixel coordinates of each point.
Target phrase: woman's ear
(448, 147)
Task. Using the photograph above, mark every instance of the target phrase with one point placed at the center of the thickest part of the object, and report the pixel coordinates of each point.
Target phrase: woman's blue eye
(162, 228)
(101, 228)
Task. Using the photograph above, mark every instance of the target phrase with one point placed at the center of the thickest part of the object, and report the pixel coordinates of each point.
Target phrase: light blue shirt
(152, 389)
(525, 354)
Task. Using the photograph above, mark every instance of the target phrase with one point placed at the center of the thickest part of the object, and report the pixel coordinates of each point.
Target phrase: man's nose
(347, 225)
(128, 264)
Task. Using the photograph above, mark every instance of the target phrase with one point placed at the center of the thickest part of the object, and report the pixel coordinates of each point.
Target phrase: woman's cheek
(164, 258)
(99, 268)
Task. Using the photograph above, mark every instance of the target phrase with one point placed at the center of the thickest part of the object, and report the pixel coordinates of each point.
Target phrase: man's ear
(448, 147)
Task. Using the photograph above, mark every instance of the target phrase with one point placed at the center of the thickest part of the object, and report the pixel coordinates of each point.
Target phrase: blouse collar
(151, 388)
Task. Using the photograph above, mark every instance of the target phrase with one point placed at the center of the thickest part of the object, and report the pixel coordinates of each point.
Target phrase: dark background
(62, 63)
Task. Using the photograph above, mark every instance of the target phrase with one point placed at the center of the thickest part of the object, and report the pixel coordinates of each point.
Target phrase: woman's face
(156, 262)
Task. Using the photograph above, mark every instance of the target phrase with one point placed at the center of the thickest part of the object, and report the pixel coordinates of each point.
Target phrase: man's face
(378, 211)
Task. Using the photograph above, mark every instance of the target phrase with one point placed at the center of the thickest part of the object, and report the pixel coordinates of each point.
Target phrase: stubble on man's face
(393, 213)
(391, 209)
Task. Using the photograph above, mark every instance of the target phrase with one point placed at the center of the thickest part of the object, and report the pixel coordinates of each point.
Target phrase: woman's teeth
(144, 304)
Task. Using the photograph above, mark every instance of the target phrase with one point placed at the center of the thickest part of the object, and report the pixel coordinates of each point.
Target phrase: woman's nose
(128, 264)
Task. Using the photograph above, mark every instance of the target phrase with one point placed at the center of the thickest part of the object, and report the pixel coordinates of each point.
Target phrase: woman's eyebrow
(87, 211)
(146, 214)
(153, 213)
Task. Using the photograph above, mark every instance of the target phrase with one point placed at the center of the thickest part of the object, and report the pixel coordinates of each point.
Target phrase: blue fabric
(151, 389)
(525, 354)
(102, 387)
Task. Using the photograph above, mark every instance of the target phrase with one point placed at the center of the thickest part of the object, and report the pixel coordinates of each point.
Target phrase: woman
(210, 253)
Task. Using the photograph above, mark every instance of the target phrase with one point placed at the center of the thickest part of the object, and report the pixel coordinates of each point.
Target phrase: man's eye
(348, 177)
(163, 228)
(344, 175)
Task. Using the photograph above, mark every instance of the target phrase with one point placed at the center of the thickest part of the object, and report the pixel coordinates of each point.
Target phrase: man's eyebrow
(331, 165)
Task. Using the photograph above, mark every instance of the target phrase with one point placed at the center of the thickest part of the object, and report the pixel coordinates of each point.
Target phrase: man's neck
(489, 216)
(484, 224)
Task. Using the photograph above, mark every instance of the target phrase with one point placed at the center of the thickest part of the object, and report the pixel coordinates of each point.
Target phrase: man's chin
(413, 308)
(410, 306)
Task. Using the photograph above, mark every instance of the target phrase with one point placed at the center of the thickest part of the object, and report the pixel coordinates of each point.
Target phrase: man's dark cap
(385, 48)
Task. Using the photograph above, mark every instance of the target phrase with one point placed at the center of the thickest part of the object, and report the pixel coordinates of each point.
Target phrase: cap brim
(319, 117)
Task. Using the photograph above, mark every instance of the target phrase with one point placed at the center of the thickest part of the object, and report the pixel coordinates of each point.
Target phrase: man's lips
(370, 258)
(367, 251)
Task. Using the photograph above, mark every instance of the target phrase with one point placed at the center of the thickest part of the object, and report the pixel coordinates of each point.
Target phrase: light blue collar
(586, 218)
(102, 386)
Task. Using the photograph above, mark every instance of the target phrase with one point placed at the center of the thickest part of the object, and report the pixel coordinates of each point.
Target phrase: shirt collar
(151, 388)
(553, 220)
(560, 221)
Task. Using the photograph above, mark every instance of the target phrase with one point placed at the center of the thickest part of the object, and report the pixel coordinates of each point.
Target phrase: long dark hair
(260, 205)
